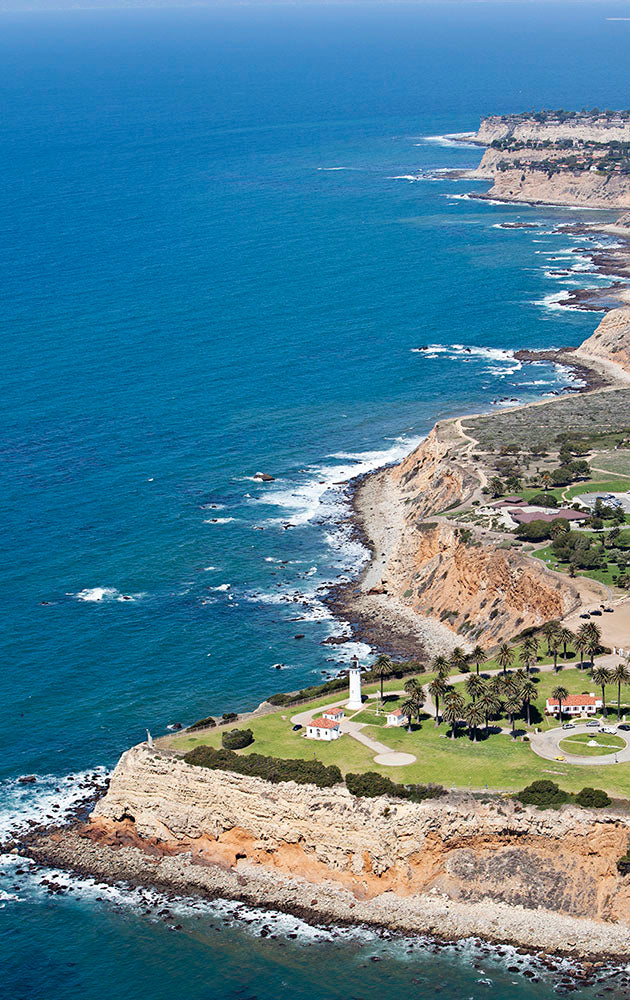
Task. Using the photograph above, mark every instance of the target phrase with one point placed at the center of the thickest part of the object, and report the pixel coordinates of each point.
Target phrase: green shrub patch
(236, 739)
(370, 784)
(274, 769)
(593, 798)
(543, 793)
(203, 724)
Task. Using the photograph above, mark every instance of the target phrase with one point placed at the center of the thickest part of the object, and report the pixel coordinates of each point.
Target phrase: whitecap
(50, 797)
(219, 520)
(222, 587)
(95, 595)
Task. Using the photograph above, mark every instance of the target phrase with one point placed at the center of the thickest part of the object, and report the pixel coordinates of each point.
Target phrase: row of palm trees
(508, 693)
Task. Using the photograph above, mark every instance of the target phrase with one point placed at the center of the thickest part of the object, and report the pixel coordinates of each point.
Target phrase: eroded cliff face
(594, 130)
(561, 188)
(484, 592)
(434, 476)
(611, 340)
(562, 861)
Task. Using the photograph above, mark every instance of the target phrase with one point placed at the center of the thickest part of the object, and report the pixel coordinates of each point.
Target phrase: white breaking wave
(219, 520)
(95, 595)
(49, 799)
(455, 139)
(222, 587)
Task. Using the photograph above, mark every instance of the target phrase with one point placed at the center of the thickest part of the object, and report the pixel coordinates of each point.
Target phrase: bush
(542, 793)
(593, 798)
(229, 717)
(544, 500)
(623, 865)
(370, 784)
(274, 769)
(208, 723)
(236, 739)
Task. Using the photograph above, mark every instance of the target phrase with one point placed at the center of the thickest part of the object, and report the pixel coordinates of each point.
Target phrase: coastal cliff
(611, 341)
(454, 866)
(557, 158)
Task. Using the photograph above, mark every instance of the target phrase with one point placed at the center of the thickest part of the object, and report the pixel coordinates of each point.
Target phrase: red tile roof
(526, 517)
(574, 699)
(396, 711)
(324, 723)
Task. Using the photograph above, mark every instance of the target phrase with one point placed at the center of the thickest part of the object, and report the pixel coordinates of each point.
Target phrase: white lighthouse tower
(355, 686)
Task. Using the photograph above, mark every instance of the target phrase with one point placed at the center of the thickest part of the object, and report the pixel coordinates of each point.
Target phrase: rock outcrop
(526, 128)
(611, 340)
(394, 854)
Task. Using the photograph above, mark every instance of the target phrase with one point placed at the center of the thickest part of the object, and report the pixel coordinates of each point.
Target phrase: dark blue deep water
(212, 264)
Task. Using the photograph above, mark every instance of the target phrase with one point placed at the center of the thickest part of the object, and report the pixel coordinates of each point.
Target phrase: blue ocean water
(214, 263)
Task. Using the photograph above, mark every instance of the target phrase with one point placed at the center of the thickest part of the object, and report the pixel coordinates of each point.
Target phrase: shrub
(594, 798)
(208, 723)
(236, 739)
(623, 864)
(274, 769)
(542, 793)
(229, 717)
(370, 784)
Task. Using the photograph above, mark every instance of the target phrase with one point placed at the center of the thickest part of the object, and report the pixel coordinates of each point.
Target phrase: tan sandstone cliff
(611, 340)
(592, 130)
(561, 862)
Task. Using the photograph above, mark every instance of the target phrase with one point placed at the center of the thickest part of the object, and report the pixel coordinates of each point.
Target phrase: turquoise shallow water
(212, 265)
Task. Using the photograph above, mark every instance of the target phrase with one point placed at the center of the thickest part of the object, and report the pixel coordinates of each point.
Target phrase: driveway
(547, 745)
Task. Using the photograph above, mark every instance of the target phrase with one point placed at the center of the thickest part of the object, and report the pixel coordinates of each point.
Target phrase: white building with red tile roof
(575, 704)
(397, 718)
(336, 714)
(323, 729)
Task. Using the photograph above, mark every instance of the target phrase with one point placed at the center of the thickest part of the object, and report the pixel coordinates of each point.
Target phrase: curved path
(383, 754)
(547, 745)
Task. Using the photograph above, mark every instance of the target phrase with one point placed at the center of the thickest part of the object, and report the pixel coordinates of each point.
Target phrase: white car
(609, 730)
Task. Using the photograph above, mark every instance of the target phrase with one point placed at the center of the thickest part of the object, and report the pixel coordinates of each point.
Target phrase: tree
(437, 688)
(382, 668)
(565, 636)
(488, 702)
(474, 715)
(478, 656)
(505, 656)
(441, 666)
(475, 686)
(602, 677)
(527, 655)
(452, 710)
(459, 659)
(561, 694)
(409, 708)
(412, 687)
(621, 675)
(546, 481)
(594, 640)
(554, 647)
(513, 705)
(528, 694)
(581, 642)
(548, 629)
(496, 487)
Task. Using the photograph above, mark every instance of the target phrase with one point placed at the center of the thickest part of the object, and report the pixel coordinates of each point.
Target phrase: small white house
(323, 729)
(575, 704)
(334, 714)
(397, 718)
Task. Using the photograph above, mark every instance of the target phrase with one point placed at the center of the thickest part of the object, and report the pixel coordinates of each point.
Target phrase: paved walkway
(547, 745)
(383, 754)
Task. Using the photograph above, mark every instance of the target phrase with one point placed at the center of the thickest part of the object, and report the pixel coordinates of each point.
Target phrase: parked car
(559, 758)
(295, 728)
(624, 726)
(609, 730)
(609, 611)
(585, 615)
(596, 612)
(568, 725)
(593, 724)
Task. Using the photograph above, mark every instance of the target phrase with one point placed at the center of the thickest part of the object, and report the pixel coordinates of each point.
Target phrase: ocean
(223, 242)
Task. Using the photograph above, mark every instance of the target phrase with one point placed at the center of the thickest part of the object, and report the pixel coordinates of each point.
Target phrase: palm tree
(382, 668)
(528, 693)
(565, 635)
(441, 666)
(474, 686)
(412, 687)
(602, 676)
(554, 646)
(437, 688)
(505, 656)
(527, 655)
(621, 675)
(489, 704)
(594, 641)
(546, 481)
(581, 643)
(452, 710)
(474, 716)
(531, 645)
(548, 629)
(513, 705)
(459, 659)
(409, 708)
(561, 694)
(478, 656)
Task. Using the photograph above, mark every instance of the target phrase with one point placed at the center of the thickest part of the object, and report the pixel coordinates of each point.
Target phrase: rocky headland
(454, 867)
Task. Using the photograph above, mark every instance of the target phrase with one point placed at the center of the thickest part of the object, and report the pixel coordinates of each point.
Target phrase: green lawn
(579, 744)
(598, 486)
(497, 762)
(606, 576)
